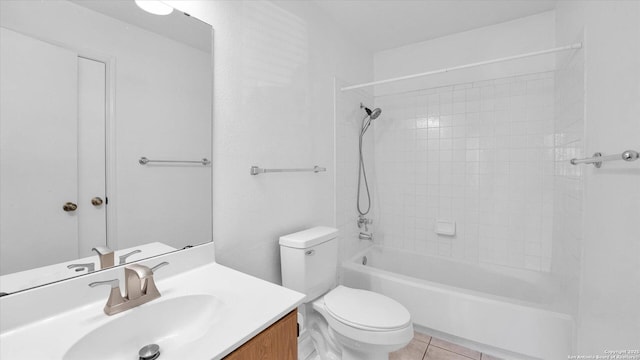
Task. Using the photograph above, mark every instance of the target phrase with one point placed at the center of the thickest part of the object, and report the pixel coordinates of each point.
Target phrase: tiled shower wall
(480, 154)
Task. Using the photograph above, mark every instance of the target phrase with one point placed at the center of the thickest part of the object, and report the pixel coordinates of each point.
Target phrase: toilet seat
(366, 310)
(353, 330)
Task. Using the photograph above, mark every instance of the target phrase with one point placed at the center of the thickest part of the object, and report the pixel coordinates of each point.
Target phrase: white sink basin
(174, 324)
(205, 312)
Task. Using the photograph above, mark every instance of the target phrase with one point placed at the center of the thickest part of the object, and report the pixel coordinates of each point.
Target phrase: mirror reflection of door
(52, 133)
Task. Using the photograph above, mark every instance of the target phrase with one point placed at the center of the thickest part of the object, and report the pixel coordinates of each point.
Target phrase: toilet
(342, 322)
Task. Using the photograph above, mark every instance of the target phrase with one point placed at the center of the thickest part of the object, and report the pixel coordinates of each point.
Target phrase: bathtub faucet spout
(365, 236)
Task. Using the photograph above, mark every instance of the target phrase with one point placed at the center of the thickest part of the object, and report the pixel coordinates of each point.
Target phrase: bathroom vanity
(206, 311)
(279, 341)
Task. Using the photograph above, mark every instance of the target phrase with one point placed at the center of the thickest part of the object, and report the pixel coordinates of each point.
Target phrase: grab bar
(144, 161)
(255, 170)
(598, 158)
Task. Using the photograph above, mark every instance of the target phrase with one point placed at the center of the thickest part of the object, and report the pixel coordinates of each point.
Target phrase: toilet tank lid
(309, 238)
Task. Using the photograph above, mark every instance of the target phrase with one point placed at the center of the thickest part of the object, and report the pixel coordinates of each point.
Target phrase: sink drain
(149, 352)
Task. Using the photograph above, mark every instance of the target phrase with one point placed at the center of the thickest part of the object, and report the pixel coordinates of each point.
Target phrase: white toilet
(344, 323)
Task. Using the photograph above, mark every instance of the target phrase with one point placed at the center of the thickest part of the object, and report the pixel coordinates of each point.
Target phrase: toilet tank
(309, 261)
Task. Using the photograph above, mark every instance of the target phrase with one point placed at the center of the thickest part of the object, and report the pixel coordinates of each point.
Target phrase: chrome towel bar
(144, 161)
(255, 170)
(598, 158)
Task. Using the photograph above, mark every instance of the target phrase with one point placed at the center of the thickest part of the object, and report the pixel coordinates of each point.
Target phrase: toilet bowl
(366, 325)
(344, 323)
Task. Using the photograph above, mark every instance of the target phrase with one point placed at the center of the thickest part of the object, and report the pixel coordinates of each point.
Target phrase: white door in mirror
(50, 99)
(38, 125)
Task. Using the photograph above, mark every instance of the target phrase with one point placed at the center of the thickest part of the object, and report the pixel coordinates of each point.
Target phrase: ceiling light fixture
(155, 7)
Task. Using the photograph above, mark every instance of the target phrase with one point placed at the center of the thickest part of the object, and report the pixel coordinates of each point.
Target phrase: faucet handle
(142, 271)
(115, 297)
(162, 264)
(90, 267)
(363, 221)
(123, 258)
(115, 283)
(152, 290)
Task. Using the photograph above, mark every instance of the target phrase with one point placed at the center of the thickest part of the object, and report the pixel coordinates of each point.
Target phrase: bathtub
(517, 311)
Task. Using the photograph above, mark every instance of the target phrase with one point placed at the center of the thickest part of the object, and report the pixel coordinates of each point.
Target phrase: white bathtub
(515, 310)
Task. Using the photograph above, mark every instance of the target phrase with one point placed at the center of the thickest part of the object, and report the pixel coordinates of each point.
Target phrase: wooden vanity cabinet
(277, 342)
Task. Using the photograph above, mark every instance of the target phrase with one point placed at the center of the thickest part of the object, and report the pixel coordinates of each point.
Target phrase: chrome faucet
(365, 236)
(105, 255)
(90, 267)
(123, 258)
(139, 285)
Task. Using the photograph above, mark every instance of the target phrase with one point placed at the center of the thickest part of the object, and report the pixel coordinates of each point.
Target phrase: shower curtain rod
(443, 70)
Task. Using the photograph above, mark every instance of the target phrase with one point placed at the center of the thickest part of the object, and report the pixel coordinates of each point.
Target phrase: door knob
(96, 201)
(69, 207)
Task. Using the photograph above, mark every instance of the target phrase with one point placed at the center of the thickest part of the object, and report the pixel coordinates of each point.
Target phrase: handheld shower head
(362, 175)
(373, 114)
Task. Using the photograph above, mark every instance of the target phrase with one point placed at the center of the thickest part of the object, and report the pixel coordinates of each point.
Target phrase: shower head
(373, 114)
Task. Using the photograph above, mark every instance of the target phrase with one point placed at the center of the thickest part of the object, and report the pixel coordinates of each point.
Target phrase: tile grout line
(424, 356)
(451, 351)
(425, 349)
(429, 344)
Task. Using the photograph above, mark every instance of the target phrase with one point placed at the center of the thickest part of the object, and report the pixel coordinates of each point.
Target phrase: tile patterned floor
(424, 347)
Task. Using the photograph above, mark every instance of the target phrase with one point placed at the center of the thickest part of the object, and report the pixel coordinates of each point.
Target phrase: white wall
(523, 35)
(273, 101)
(609, 315)
(161, 110)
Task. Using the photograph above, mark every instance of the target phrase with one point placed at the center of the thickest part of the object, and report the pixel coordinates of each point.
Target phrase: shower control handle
(363, 221)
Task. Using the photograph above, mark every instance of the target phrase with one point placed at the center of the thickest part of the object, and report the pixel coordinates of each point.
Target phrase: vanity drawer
(279, 341)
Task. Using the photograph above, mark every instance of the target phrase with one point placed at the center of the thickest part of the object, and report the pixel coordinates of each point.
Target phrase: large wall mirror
(89, 89)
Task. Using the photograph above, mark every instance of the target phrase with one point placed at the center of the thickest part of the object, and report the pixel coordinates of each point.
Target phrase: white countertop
(250, 305)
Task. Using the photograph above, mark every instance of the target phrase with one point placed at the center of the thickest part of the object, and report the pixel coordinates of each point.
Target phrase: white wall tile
(474, 162)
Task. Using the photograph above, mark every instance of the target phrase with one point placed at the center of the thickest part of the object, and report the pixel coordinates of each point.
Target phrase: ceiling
(176, 26)
(386, 24)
